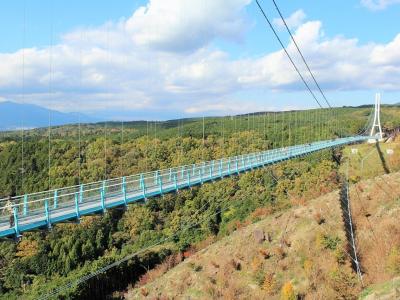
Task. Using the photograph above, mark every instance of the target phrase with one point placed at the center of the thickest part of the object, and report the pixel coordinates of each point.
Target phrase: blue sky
(172, 58)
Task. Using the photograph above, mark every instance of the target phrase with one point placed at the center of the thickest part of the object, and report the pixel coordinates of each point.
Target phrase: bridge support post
(229, 166)
(157, 174)
(160, 184)
(55, 199)
(103, 196)
(77, 206)
(16, 227)
(143, 186)
(237, 165)
(25, 205)
(81, 194)
(212, 169)
(201, 174)
(175, 182)
(220, 168)
(47, 213)
(124, 190)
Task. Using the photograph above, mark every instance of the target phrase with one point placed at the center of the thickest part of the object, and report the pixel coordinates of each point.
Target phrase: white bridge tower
(376, 130)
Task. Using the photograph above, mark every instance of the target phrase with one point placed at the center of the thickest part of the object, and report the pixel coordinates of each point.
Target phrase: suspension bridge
(40, 210)
(43, 209)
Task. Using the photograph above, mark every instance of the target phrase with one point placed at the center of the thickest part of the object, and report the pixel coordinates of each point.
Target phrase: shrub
(260, 213)
(287, 292)
(344, 282)
(393, 261)
(235, 264)
(269, 283)
(340, 255)
(198, 268)
(170, 262)
(308, 266)
(256, 263)
(328, 241)
(264, 253)
(27, 248)
(280, 252)
(258, 276)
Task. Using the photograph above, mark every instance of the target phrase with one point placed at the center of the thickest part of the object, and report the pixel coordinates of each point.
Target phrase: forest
(47, 158)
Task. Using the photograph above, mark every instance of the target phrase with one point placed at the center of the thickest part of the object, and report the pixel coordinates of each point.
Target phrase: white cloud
(181, 25)
(378, 4)
(388, 54)
(127, 66)
(293, 21)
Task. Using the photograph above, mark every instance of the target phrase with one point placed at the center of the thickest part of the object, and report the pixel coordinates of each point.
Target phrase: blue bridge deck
(41, 210)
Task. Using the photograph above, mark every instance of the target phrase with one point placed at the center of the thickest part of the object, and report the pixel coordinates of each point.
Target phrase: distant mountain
(15, 116)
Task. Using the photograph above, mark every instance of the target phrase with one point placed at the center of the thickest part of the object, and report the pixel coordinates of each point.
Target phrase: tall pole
(377, 119)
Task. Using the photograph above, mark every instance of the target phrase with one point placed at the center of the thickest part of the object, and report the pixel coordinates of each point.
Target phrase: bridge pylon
(376, 130)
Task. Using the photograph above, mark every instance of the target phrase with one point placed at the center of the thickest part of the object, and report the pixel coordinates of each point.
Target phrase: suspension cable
(50, 92)
(223, 134)
(147, 146)
(79, 150)
(105, 150)
(287, 53)
(79, 116)
(301, 54)
(23, 100)
(121, 147)
(203, 139)
(283, 129)
(105, 123)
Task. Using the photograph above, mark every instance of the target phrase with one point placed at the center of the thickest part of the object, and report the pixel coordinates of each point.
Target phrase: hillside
(376, 209)
(304, 250)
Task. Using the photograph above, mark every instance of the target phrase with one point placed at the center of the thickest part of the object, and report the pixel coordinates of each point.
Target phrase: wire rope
(50, 92)
(301, 54)
(79, 116)
(23, 100)
(287, 53)
(204, 137)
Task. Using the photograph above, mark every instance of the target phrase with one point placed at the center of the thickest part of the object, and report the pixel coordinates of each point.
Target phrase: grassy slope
(376, 209)
(366, 163)
(383, 291)
(213, 272)
(311, 264)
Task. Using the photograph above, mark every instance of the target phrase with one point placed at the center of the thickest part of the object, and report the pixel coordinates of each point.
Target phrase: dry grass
(376, 209)
(237, 267)
(170, 262)
(319, 218)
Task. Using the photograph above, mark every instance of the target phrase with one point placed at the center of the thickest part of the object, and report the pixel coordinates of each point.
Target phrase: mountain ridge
(14, 116)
